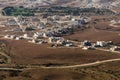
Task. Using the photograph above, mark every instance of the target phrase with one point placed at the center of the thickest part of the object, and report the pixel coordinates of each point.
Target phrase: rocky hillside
(111, 4)
(88, 3)
(77, 3)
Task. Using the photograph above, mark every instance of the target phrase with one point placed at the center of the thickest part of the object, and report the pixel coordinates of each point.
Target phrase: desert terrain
(59, 40)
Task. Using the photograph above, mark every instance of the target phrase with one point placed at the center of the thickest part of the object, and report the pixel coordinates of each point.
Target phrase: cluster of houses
(87, 45)
(53, 33)
(37, 23)
(60, 42)
(115, 48)
(97, 44)
(39, 38)
(10, 22)
(48, 30)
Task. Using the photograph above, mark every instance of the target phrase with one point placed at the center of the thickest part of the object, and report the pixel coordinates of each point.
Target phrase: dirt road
(85, 65)
(8, 57)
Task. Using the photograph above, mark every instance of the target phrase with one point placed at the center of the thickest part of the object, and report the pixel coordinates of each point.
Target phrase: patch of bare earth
(23, 52)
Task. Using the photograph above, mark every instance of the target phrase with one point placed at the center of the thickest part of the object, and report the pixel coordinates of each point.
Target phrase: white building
(35, 35)
(58, 40)
(12, 37)
(17, 38)
(7, 36)
(88, 48)
(101, 43)
(25, 36)
(115, 48)
(69, 44)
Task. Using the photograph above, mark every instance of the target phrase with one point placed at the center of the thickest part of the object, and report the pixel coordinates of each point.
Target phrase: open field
(111, 71)
(95, 35)
(106, 71)
(22, 52)
(100, 29)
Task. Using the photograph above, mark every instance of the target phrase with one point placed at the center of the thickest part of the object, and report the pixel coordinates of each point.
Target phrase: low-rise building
(25, 36)
(37, 41)
(7, 36)
(88, 48)
(69, 44)
(101, 43)
(86, 43)
(58, 40)
(11, 22)
(115, 48)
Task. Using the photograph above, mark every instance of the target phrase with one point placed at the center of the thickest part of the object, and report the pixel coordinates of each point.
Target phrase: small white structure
(115, 48)
(7, 36)
(17, 38)
(85, 48)
(73, 19)
(45, 35)
(12, 37)
(101, 43)
(25, 36)
(69, 44)
(58, 40)
(41, 42)
(37, 41)
(113, 21)
(35, 35)
(33, 41)
(88, 48)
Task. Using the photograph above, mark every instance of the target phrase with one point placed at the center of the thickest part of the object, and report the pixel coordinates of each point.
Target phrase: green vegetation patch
(15, 11)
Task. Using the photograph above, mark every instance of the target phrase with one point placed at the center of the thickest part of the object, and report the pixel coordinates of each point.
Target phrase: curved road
(85, 65)
(61, 67)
